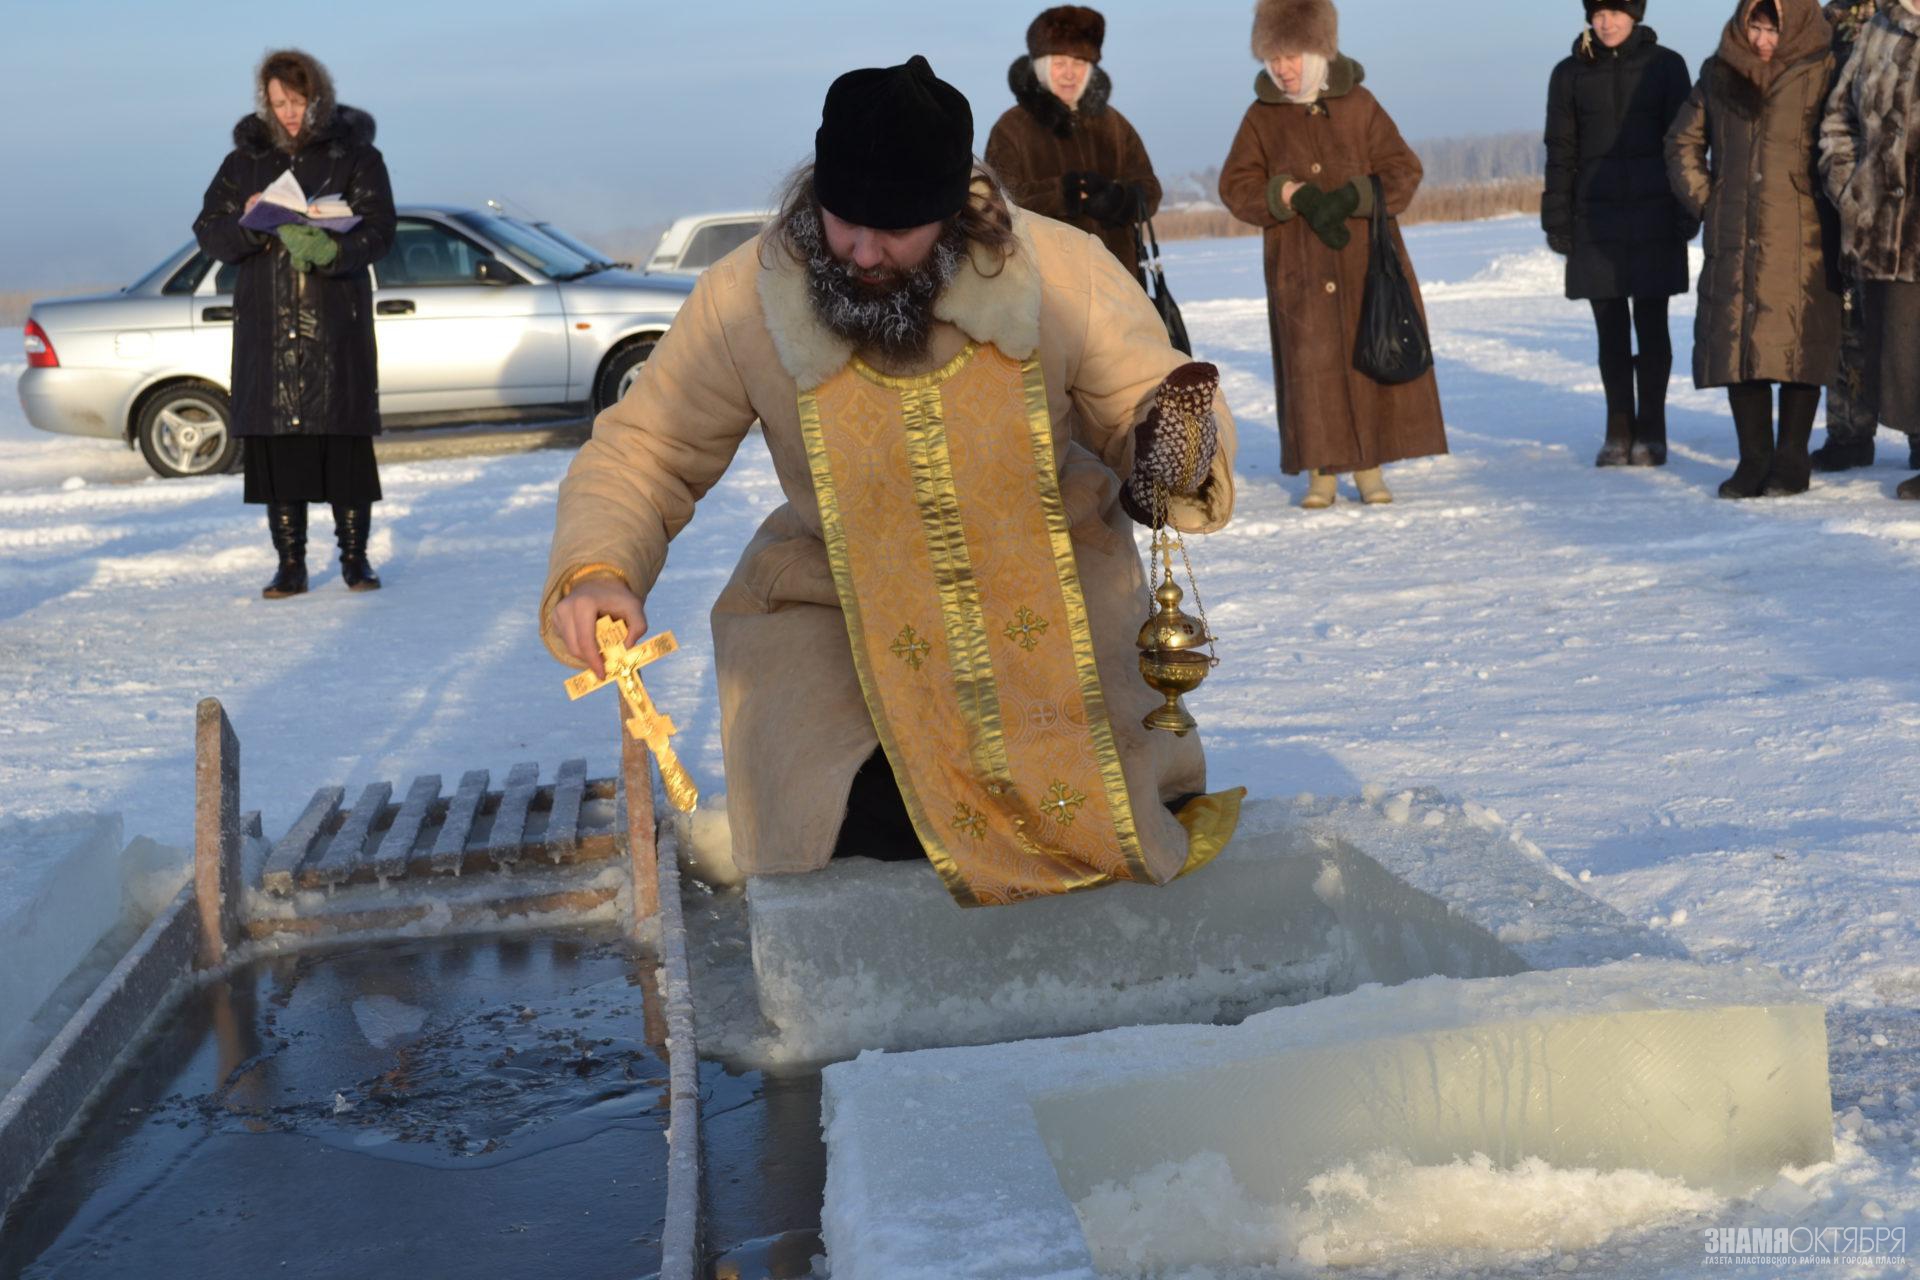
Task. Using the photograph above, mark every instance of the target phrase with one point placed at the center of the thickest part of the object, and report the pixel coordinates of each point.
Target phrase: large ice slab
(60, 894)
(1699, 1078)
(1307, 901)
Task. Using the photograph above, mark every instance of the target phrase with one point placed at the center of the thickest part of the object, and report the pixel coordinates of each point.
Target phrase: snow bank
(1621, 1095)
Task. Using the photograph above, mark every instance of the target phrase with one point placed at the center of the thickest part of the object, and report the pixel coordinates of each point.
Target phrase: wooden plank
(397, 848)
(510, 821)
(346, 853)
(450, 850)
(562, 840)
(636, 808)
(286, 857)
(216, 831)
(485, 916)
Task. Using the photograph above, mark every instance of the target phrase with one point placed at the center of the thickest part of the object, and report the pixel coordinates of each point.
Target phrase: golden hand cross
(646, 722)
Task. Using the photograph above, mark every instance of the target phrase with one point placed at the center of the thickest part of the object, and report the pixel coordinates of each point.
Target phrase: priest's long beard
(892, 318)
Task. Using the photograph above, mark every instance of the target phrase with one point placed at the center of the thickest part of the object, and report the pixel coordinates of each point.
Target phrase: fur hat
(1071, 29)
(1635, 9)
(1296, 26)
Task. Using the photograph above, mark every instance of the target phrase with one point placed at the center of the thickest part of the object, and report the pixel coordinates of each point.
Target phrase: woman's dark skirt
(1893, 338)
(333, 469)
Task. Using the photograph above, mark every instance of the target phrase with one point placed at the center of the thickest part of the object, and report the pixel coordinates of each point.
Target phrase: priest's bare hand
(591, 600)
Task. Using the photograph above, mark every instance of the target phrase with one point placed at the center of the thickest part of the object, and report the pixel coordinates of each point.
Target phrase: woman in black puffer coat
(305, 372)
(1609, 210)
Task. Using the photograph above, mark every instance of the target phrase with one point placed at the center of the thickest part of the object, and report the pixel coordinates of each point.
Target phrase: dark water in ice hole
(459, 1107)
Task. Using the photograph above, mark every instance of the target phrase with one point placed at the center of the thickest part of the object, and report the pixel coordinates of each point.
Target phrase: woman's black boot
(1752, 404)
(287, 526)
(1617, 449)
(350, 528)
(1791, 472)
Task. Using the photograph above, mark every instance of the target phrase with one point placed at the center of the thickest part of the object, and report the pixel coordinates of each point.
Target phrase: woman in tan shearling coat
(1302, 167)
(1741, 156)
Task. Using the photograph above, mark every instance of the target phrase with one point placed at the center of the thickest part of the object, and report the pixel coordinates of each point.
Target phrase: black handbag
(1393, 346)
(1157, 287)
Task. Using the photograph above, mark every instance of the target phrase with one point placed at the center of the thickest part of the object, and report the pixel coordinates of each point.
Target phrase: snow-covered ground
(1707, 711)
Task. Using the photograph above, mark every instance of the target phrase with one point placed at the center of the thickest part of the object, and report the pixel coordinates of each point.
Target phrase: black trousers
(1620, 321)
(877, 825)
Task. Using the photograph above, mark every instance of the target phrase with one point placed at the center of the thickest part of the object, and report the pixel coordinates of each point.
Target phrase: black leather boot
(1913, 452)
(1909, 490)
(1791, 471)
(350, 528)
(1616, 451)
(1752, 404)
(1650, 418)
(287, 526)
(1842, 455)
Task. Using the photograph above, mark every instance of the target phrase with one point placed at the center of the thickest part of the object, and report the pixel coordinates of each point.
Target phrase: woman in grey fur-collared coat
(1870, 159)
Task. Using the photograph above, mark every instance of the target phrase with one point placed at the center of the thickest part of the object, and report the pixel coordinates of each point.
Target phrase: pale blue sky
(606, 115)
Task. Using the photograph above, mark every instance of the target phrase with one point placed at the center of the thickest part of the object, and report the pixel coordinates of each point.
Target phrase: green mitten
(1330, 214)
(309, 247)
(1306, 200)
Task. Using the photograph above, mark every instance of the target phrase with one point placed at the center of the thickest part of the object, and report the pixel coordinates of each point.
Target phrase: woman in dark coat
(1742, 156)
(1870, 157)
(1303, 167)
(1061, 150)
(305, 373)
(1609, 211)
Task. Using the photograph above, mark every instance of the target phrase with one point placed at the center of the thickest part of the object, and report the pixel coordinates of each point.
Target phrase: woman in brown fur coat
(1062, 150)
(1870, 157)
(1302, 168)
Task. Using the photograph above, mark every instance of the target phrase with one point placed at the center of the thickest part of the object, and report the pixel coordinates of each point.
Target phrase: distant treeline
(1466, 179)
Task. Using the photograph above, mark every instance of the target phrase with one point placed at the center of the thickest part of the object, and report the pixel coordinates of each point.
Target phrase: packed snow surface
(1703, 711)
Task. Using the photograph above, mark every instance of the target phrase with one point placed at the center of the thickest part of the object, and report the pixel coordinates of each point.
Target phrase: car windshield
(574, 243)
(543, 253)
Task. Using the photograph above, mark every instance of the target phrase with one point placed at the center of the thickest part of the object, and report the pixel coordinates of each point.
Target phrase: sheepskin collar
(1344, 75)
(344, 127)
(1000, 308)
(1045, 106)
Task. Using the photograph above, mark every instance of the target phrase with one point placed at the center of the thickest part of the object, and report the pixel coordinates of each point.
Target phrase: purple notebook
(269, 217)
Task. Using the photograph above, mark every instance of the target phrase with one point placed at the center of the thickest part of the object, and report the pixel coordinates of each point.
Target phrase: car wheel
(618, 375)
(185, 430)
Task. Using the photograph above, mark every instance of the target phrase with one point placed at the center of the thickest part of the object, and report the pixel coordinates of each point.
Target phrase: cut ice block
(876, 955)
(1712, 1076)
(60, 894)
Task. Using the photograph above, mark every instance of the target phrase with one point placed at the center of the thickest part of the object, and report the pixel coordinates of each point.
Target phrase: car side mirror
(493, 271)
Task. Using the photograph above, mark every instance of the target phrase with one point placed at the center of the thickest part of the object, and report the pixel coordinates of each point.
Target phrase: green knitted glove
(309, 247)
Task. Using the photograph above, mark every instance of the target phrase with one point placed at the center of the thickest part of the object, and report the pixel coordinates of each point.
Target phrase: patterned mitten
(1173, 448)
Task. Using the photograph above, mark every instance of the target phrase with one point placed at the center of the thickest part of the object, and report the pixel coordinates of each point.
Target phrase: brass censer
(1176, 650)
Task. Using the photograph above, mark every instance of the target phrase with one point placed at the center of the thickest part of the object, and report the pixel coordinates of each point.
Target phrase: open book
(285, 202)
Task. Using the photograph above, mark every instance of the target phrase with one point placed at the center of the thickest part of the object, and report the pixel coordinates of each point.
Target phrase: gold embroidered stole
(940, 502)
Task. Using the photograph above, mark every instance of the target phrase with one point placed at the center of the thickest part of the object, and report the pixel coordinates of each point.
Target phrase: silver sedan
(477, 315)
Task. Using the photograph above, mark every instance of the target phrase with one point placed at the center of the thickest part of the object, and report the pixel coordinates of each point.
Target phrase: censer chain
(1163, 524)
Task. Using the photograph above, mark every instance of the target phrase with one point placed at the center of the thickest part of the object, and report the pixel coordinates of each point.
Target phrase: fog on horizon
(612, 119)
